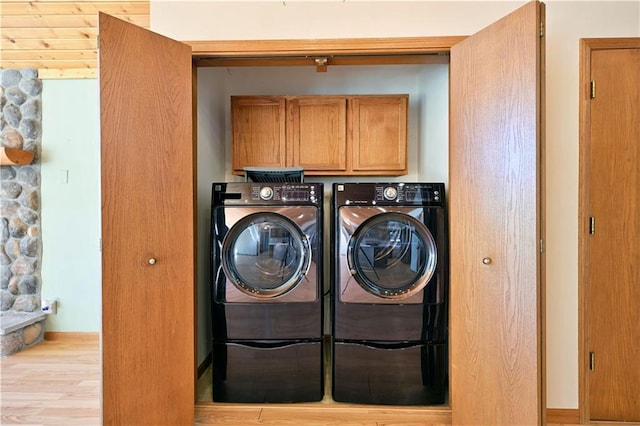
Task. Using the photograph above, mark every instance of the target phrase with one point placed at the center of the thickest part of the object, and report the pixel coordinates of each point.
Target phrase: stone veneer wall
(21, 246)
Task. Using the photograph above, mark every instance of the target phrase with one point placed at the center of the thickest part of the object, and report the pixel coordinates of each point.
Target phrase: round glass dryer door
(392, 255)
(265, 255)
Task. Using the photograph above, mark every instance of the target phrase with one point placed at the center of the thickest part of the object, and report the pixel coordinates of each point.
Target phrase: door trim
(587, 46)
(210, 49)
(340, 51)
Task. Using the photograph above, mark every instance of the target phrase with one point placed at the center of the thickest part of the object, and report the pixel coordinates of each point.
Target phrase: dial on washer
(390, 193)
(266, 193)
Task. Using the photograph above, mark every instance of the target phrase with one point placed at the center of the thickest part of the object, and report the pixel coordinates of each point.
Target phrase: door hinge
(592, 361)
(541, 246)
(592, 93)
(541, 29)
(592, 225)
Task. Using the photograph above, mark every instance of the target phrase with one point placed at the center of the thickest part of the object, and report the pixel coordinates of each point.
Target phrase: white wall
(276, 19)
(71, 267)
(567, 22)
(211, 168)
(70, 173)
(427, 86)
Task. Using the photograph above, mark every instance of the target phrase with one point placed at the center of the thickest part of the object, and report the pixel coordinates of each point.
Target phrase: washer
(389, 293)
(267, 292)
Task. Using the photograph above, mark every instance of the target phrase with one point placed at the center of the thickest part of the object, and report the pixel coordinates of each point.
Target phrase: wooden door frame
(339, 51)
(587, 46)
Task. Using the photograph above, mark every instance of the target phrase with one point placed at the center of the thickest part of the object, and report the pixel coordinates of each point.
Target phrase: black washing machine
(389, 293)
(267, 292)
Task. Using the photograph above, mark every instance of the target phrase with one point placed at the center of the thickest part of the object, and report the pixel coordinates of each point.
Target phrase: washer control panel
(390, 193)
(285, 193)
(266, 193)
(407, 193)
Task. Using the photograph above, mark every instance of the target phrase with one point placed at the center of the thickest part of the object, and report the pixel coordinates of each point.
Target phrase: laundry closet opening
(424, 78)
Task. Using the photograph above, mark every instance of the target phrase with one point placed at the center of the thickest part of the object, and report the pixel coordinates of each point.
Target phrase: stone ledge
(20, 330)
(12, 321)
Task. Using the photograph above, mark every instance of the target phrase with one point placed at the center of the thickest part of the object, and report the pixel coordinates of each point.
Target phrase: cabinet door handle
(487, 261)
(151, 261)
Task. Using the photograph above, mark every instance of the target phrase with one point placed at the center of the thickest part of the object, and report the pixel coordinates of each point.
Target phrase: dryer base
(394, 374)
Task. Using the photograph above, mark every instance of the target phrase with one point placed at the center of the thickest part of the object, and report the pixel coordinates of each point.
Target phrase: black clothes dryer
(389, 293)
(267, 292)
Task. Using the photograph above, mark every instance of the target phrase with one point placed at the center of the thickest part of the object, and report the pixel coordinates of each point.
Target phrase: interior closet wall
(212, 116)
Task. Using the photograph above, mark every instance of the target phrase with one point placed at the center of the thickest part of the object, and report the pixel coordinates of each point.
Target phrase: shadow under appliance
(389, 293)
(267, 292)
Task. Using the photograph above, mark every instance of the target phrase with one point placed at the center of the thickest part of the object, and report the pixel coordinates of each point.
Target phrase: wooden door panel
(614, 248)
(259, 131)
(495, 141)
(147, 160)
(379, 133)
(318, 136)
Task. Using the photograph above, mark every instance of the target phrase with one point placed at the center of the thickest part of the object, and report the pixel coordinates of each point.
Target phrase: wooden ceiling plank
(51, 43)
(65, 21)
(58, 1)
(75, 8)
(49, 54)
(51, 64)
(58, 73)
(40, 33)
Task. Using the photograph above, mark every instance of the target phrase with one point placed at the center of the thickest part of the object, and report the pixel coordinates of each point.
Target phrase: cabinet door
(317, 132)
(496, 320)
(147, 162)
(258, 127)
(379, 134)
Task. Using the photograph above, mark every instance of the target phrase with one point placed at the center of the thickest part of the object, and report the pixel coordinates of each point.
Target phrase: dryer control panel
(389, 193)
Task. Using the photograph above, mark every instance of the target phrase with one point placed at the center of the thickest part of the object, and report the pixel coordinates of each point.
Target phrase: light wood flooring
(52, 383)
(57, 382)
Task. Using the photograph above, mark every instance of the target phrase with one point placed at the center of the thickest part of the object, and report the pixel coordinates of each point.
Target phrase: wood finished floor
(57, 382)
(52, 383)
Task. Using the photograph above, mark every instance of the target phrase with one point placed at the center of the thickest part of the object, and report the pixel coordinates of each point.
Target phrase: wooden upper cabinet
(379, 133)
(325, 134)
(258, 128)
(317, 130)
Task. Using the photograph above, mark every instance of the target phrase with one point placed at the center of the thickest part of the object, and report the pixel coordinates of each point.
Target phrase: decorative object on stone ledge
(20, 244)
(15, 156)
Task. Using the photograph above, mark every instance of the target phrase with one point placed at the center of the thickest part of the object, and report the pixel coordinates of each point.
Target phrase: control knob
(390, 193)
(266, 193)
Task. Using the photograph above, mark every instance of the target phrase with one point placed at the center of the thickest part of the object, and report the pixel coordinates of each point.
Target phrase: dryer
(389, 293)
(267, 292)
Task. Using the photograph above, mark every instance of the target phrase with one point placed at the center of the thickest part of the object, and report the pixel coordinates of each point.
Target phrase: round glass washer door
(392, 255)
(265, 255)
